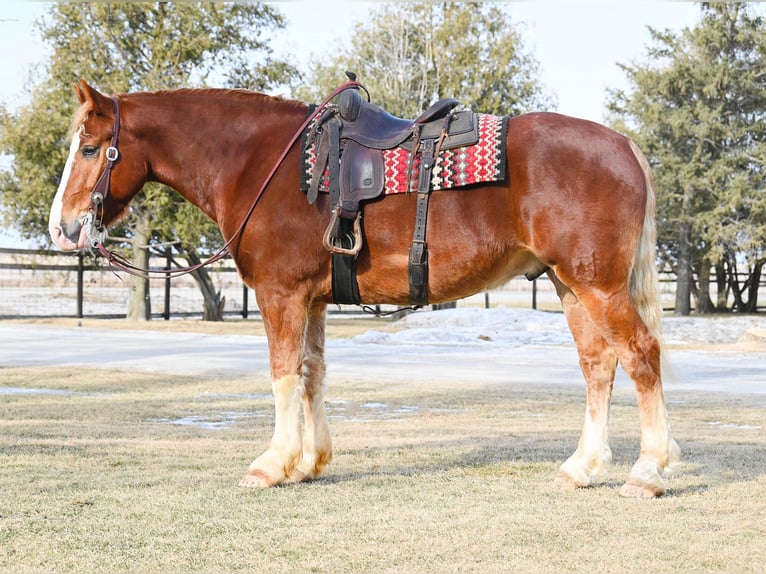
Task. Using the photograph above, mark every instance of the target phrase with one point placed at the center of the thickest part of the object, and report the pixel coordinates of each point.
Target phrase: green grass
(97, 480)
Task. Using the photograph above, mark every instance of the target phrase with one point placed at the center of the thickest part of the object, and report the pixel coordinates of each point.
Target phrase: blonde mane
(79, 119)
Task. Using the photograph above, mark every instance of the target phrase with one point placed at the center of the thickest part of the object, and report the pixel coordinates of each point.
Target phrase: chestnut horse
(577, 201)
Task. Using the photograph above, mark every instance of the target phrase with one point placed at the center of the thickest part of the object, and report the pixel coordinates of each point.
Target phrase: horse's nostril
(72, 231)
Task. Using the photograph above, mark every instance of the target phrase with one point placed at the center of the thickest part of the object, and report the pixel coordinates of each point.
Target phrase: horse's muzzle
(72, 237)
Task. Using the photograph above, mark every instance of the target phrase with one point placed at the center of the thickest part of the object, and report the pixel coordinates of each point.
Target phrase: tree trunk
(213, 303)
(736, 290)
(752, 288)
(140, 303)
(703, 304)
(722, 298)
(684, 271)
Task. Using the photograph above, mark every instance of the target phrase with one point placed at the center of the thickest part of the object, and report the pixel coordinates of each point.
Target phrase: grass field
(104, 471)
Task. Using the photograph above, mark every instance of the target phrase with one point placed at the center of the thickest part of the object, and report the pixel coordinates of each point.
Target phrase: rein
(101, 191)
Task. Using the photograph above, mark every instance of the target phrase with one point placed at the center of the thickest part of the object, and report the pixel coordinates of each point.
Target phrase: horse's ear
(89, 95)
(82, 90)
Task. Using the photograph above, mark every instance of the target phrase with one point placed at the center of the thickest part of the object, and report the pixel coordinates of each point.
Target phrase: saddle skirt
(483, 162)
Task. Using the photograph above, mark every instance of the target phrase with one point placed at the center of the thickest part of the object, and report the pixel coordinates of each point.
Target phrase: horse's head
(103, 172)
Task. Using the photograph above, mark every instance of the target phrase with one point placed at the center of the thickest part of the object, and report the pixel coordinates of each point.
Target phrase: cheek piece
(93, 220)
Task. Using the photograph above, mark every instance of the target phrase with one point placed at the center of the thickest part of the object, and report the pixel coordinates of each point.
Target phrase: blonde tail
(644, 279)
(645, 289)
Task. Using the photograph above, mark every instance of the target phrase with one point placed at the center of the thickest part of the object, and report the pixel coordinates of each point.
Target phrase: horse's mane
(254, 98)
(79, 119)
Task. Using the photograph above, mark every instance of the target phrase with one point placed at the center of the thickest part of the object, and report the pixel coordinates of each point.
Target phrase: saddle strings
(378, 313)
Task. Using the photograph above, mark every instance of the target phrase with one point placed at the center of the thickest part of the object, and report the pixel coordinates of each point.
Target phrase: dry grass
(427, 477)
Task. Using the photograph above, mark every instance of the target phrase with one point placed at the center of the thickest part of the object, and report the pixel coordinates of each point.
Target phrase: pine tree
(698, 108)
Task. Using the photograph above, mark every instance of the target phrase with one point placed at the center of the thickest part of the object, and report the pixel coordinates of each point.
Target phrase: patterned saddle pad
(483, 162)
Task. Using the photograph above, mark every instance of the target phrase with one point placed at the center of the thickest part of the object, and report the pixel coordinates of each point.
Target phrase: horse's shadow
(468, 453)
(703, 467)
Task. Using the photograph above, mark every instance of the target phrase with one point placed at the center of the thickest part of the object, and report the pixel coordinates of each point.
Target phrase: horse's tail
(644, 279)
(645, 284)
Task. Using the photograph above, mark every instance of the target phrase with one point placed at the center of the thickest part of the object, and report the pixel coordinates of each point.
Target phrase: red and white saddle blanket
(483, 162)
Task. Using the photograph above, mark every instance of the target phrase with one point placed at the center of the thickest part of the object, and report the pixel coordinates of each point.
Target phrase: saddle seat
(373, 127)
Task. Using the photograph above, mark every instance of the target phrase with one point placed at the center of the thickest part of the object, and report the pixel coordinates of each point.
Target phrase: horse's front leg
(286, 329)
(317, 444)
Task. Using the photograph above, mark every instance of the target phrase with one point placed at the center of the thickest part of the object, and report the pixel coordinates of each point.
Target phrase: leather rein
(101, 191)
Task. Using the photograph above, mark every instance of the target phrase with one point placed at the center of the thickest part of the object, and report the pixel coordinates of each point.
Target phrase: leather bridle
(101, 191)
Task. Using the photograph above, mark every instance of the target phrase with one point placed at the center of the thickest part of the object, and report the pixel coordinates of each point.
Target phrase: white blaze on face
(54, 220)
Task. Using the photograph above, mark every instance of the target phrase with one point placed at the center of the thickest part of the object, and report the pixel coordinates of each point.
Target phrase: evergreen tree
(698, 108)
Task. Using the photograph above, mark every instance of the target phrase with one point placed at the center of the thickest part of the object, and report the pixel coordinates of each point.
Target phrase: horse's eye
(89, 151)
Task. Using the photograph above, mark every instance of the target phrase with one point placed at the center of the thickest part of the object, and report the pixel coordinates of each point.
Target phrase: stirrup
(327, 240)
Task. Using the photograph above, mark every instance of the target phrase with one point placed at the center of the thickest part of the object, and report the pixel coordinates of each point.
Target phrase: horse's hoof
(257, 479)
(566, 482)
(636, 489)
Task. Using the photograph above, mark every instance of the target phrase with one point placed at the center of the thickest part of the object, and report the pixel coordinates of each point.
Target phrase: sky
(578, 44)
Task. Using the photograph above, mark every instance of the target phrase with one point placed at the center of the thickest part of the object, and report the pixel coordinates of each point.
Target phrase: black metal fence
(40, 283)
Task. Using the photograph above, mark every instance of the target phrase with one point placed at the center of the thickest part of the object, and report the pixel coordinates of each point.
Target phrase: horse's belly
(451, 275)
(451, 280)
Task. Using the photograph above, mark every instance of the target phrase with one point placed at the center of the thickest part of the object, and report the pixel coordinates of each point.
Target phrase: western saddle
(350, 139)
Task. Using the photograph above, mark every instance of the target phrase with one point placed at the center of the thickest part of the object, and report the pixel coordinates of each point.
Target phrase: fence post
(534, 294)
(486, 299)
(80, 282)
(244, 301)
(168, 262)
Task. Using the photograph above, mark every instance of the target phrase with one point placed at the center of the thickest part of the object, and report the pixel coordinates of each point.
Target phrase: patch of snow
(513, 327)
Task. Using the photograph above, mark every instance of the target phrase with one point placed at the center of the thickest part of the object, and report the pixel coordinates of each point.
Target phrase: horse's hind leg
(598, 363)
(638, 352)
(317, 444)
